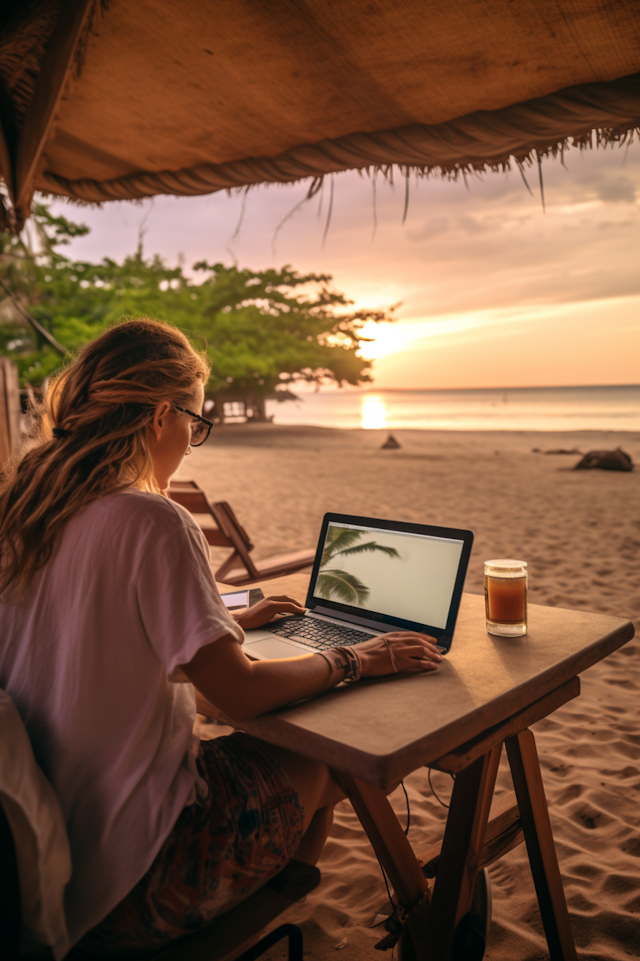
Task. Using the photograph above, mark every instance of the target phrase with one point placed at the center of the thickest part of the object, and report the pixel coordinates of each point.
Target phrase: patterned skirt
(220, 850)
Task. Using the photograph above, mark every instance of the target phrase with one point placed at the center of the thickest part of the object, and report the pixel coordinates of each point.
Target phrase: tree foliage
(264, 331)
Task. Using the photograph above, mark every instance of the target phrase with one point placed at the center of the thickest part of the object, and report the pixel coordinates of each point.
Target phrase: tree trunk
(257, 404)
(9, 411)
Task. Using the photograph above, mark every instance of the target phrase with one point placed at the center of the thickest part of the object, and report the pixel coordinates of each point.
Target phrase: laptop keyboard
(320, 635)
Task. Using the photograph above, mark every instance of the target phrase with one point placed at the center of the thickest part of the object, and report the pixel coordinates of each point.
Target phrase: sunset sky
(493, 291)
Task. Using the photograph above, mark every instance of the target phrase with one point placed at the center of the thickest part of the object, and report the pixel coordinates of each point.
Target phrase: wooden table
(487, 693)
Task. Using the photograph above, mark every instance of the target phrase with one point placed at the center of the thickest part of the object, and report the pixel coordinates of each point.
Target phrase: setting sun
(374, 413)
(386, 339)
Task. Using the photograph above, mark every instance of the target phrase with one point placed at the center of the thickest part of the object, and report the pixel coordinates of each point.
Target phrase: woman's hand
(262, 612)
(398, 651)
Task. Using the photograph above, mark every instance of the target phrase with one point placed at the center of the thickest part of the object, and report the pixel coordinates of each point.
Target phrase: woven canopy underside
(126, 100)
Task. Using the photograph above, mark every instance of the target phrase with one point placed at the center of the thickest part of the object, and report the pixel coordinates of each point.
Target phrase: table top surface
(383, 728)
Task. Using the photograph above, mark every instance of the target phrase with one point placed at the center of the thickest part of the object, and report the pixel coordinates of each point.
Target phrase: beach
(579, 531)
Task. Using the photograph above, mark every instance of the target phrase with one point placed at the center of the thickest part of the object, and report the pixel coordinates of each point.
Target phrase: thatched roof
(120, 100)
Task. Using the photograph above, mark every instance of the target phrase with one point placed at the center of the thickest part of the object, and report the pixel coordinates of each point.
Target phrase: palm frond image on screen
(340, 585)
(399, 574)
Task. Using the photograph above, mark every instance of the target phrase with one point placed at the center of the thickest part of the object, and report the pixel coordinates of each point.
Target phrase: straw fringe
(473, 145)
(23, 43)
(154, 185)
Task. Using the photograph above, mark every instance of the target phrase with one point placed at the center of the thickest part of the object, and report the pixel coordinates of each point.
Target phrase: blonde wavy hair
(94, 437)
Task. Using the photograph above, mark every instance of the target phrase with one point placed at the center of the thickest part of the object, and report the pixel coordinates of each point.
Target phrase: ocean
(614, 408)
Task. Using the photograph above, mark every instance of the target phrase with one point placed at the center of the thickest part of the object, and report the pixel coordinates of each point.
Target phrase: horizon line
(372, 389)
(501, 387)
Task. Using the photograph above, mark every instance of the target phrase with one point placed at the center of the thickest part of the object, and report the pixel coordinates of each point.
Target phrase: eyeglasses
(200, 426)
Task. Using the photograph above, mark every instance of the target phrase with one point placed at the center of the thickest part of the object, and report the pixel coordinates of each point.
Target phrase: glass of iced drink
(505, 597)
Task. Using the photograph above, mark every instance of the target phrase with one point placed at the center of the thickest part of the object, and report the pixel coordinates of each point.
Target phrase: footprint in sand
(592, 820)
(584, 870)
(579, 903)
(570, 793)
(620, 883)
(623, 774)
(631, 650)
(631, 846)
(633, 905)
(502, 877)
(562, 770)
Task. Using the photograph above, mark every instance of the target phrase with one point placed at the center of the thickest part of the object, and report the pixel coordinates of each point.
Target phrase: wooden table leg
(387, 838)
(527, 780)
(464, 836)
(461, 849)
(394, 852)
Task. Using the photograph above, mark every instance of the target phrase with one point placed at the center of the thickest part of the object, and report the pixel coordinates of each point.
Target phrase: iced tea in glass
(505, 597)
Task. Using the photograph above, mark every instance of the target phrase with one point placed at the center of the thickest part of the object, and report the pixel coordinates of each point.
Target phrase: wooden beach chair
(226, 531)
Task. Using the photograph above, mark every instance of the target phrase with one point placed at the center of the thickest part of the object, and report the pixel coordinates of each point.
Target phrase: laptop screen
(398, 574)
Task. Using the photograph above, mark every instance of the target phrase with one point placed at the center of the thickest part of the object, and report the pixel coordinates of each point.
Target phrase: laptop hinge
(379, 626)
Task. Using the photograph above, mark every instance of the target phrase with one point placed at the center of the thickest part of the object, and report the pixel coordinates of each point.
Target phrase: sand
(580, 533)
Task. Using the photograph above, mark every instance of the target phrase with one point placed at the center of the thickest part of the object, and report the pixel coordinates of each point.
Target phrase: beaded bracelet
(336, 666)
(348, 659)
(354, 664)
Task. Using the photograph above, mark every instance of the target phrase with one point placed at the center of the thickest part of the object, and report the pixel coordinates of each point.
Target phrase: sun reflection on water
(373, 413)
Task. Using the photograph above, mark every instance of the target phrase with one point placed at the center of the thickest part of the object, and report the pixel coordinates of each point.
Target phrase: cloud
(615, 224)
(620, 189)
(433, 227)
(471, 225)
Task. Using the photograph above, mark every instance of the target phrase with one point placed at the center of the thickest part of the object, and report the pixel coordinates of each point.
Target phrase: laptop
(370, 577)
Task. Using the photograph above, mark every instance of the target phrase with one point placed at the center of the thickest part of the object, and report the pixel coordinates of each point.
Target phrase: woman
(107, 599)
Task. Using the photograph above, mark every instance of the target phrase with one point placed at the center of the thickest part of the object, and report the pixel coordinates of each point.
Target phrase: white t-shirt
(86, 656)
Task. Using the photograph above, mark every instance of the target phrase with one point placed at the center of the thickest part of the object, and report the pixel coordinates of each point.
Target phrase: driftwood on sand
(557, 450)
(606, 460)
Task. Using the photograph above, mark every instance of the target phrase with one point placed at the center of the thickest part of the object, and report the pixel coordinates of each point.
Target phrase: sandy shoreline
(580, 533)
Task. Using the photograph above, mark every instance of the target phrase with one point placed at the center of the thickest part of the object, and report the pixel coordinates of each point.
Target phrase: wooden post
(9, 410)
(6, 166)
(55, 70)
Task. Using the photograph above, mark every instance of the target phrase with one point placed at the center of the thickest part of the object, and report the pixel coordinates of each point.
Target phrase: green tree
(268, 330)
(33, 277)
(264, 331)
(341, 585)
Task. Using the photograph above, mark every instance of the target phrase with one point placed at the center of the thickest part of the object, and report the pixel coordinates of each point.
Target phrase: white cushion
(42, 846)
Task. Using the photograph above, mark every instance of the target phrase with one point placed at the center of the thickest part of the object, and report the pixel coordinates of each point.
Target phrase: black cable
(384, 876)
(406, 830)
(433, 791)
(386, 883)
